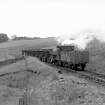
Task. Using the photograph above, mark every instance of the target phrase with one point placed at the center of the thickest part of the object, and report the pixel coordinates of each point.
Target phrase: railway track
(90, 76)
(96, 78)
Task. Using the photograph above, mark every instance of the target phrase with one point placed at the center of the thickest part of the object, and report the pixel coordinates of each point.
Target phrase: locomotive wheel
(75, 67)
(61, 64)
(56, 62)
(48, 60)
(67, 64)
(83, 67)
(43, 60)
(71, 66)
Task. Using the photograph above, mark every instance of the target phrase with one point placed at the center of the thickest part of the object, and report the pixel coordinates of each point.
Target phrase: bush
(3, 37)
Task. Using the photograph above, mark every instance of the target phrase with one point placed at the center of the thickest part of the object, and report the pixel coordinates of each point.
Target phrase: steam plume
(81, 40)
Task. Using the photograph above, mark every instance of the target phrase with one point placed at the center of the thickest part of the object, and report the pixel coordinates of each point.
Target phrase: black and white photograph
(52, 52)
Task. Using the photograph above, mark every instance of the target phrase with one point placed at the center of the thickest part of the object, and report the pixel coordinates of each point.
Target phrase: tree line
(4, 37)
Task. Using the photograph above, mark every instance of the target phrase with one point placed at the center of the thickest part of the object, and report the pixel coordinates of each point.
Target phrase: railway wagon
(31, 52)
(42, 54)
(68, 56)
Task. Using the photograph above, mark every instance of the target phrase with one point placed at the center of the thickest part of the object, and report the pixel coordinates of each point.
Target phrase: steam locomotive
(64, 56)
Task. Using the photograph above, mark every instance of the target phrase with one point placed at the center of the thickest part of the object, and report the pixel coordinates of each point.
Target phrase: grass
(97, 56)
(19, 80)
(13, 48)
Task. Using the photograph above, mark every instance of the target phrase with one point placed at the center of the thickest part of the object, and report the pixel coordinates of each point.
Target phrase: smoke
(80, 40)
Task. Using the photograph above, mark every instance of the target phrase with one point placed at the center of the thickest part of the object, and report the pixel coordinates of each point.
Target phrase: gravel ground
(67, 91)
(47, 87)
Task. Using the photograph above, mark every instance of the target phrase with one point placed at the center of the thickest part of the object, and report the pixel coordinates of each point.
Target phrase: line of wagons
(64, 56)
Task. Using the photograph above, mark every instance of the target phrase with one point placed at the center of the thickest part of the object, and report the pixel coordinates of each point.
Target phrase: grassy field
(97, 56)
(11, 85)
(13, 48)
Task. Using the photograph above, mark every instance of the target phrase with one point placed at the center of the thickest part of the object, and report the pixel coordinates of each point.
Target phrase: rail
(99, 79)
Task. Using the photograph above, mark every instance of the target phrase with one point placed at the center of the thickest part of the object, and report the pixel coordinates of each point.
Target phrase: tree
(13, 37)
(3, 37)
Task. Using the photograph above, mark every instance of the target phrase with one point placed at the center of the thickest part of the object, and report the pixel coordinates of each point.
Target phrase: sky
(48, 18)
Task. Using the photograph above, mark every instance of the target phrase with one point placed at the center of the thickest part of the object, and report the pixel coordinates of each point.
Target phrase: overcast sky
(51, 17)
